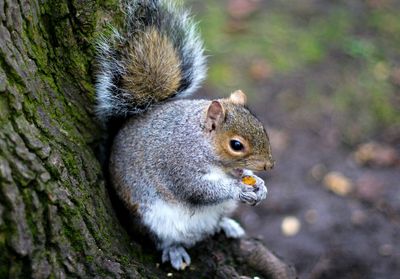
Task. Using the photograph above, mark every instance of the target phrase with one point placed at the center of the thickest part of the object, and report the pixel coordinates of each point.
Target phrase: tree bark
(56, 217)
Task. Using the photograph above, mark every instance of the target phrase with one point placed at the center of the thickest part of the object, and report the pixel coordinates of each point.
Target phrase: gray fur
(161, 161)
(156, 153)
(169, 19)
(231, 228)
(177, 255)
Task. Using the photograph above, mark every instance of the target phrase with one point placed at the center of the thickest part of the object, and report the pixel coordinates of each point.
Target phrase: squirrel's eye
(236, 145)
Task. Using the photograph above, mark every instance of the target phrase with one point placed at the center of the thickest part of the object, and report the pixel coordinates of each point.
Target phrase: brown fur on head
(239, 138)
(154, 68)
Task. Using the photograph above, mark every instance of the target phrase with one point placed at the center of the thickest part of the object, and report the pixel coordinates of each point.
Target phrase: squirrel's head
(239, 138)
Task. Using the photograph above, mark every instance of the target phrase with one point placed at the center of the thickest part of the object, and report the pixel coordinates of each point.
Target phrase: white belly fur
(178, 224)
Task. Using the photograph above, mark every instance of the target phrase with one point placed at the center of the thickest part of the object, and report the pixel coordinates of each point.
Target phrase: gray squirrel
(177, 164)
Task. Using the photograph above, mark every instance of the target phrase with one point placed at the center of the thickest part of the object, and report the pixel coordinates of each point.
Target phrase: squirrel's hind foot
(231, 228)
(177, 255)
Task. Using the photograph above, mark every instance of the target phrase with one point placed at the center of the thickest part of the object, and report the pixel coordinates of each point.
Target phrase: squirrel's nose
(269, 164)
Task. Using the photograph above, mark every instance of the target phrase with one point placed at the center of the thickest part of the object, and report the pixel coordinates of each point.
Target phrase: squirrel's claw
(178, 257)
(248, 197)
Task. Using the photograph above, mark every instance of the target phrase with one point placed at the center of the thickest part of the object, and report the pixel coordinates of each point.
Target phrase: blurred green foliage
(346, 53)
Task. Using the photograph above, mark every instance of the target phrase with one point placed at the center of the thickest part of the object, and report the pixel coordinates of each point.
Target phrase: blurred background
(324, 77)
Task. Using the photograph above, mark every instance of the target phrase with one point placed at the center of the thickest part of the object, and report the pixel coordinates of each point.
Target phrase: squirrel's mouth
(237, 172)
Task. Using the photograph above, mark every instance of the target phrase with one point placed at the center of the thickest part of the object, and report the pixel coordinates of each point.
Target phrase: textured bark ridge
(56, 218)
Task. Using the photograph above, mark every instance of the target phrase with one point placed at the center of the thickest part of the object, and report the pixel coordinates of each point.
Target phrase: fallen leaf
(290, 226)
(369, 188)
(260, 70)
(338, 183)
(376, 154)
(240, 9)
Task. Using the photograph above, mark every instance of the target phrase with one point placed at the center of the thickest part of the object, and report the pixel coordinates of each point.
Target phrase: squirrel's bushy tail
(156, 56)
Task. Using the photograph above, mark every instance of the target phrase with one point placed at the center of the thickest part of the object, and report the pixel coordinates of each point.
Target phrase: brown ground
(352, 236)
(325, 78)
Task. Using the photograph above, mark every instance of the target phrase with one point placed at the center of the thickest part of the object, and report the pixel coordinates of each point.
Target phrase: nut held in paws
(249, 180)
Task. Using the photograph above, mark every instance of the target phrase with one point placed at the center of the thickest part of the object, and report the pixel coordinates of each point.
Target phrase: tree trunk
(56, 217)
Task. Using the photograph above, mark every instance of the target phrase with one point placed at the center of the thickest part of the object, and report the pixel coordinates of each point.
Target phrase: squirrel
(177, 164)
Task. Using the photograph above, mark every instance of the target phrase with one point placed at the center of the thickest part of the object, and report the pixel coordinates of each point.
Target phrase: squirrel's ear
(215, 115)
(238, 97)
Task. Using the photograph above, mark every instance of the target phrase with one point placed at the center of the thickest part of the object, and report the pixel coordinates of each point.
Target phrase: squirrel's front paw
(177, 255)
(254, 194)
